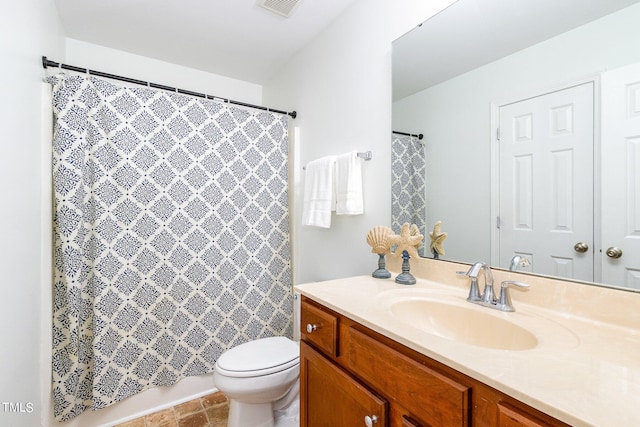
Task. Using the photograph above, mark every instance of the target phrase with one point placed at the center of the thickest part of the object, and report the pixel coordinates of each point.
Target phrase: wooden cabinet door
(330, 397)
(433, 398)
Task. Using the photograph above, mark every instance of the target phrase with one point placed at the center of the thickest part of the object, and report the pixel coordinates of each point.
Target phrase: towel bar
(366, 155)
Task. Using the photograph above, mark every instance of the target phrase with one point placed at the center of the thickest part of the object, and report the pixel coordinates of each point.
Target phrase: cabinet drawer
(431, 397)
(409, 422)
(319, 327)
(509, 416)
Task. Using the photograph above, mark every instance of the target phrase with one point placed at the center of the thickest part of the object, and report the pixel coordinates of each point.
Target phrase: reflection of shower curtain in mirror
(171, 237)
(408, 185)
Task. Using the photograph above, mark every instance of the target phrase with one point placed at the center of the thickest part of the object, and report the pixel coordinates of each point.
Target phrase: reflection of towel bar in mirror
(366, 155)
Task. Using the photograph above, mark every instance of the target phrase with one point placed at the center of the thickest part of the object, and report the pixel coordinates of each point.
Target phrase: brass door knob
(581, 247)
(614, 252)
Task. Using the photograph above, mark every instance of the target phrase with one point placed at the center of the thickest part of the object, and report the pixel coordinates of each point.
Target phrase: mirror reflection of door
(546, 190)
(621, 176)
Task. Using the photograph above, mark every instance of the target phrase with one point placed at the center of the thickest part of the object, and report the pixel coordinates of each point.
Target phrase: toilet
(261, 380)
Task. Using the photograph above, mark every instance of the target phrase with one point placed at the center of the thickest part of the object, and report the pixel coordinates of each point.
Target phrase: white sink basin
(467, 324)
(453, 318)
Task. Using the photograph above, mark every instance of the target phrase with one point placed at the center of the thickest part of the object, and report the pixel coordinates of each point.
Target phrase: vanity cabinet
(353, 376)
(335, 398)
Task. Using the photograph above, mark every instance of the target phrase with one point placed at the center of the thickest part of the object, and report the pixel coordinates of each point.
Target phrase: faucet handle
(504, 300)
(507, 283)
(474, 290)
(474, 270)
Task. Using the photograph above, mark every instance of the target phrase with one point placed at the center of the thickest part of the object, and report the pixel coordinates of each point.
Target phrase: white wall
(88, 55)
(340, 84)
(455, 118)
(28, 30)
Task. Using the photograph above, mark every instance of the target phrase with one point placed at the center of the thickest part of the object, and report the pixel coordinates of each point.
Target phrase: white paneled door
(621, 177)
(546, 182)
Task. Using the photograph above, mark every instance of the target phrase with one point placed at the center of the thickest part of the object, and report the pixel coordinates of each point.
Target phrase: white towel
(319, 198)
(349, 185)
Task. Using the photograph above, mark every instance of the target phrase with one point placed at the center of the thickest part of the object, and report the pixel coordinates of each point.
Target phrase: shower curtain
(171, 237)
(408, 185)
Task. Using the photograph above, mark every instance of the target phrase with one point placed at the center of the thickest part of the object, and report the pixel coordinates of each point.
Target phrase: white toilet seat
(259, 357)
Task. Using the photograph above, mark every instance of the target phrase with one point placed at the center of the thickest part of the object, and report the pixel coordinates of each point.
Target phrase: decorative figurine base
(381, 272)
(405, 278)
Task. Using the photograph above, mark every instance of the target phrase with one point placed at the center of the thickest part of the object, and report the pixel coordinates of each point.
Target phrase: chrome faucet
(489, 294)
(488, 297)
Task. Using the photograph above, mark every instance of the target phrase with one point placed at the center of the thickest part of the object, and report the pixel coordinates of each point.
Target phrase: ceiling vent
(281, 7)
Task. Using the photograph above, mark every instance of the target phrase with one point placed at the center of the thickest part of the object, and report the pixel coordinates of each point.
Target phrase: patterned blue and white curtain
(408, 185)
(171, 237)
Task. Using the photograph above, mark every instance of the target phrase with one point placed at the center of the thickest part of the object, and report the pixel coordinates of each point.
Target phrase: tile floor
(208, 411)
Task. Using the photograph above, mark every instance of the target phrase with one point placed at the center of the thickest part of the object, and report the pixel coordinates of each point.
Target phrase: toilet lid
(259, 357)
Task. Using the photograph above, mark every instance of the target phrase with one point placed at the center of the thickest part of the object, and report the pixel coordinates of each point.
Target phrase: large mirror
(466, 79)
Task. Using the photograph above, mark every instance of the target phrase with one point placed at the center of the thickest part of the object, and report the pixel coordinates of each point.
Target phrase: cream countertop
(585, 371)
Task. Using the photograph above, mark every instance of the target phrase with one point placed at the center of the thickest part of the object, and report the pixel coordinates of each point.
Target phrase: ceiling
(472, 33)
(232, 38)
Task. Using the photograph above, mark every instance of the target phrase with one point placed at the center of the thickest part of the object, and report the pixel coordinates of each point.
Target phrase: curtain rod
(48, 63)
(419, 136)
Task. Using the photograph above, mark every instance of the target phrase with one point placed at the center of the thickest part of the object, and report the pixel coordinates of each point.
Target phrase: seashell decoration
(378, 239)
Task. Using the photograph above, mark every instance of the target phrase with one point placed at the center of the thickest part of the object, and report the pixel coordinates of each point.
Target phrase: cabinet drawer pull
(311, 328)
(369, 421)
